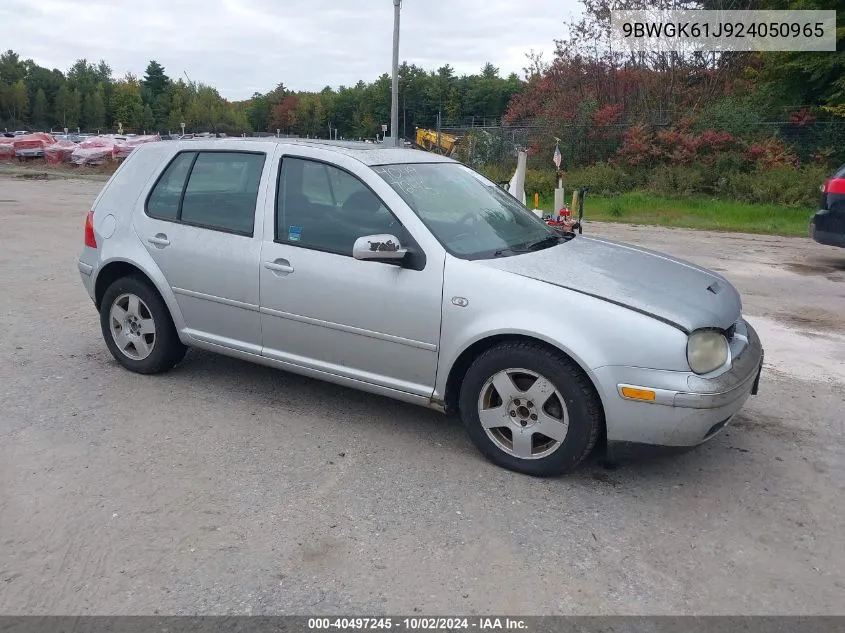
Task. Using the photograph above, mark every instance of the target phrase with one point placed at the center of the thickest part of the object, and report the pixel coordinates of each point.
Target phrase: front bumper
(688, 409)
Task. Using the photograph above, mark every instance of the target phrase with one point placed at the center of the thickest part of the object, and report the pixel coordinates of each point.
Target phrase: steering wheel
(467, 220)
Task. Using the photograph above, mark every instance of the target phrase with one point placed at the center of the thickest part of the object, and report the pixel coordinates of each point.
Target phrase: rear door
(199, 225)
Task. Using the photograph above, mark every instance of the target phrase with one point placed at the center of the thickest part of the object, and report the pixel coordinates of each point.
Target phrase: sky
(246, 46)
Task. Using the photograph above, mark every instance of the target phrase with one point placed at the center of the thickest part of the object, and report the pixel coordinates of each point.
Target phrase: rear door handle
(279, 266)
(159, 239)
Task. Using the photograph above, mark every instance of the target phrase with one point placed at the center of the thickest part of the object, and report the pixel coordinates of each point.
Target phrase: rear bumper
(688, 409)
(86, 272)
(828, 227)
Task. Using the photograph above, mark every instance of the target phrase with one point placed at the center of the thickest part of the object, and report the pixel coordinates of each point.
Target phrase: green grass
(694, 213)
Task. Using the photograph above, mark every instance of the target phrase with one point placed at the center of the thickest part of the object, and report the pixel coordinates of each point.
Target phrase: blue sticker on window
(294, 233)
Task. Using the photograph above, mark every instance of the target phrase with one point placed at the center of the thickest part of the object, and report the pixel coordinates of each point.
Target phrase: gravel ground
(224, 487)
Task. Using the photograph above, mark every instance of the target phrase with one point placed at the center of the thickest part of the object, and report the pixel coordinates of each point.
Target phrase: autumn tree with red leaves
(284, 114)
(591, 93)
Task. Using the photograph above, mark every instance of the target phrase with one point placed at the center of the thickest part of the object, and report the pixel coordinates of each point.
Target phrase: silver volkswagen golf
(409, 275)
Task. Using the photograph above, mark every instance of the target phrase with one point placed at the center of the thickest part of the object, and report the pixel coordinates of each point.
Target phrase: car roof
(368, 153)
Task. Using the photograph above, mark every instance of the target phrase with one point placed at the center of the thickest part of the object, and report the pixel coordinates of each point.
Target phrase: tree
(284, 114)
(181, 96)
(412, 90)
(127, 107)
(258, 113)
(155, 80)
(83, 76)
(12, 69)
(310, 115)
(40, 109)
(487, 94)
(536, 67)
(66, 107)
(94, 110)
(103, 72)
(440, 84)
(40, 78)
(801, 77)
(87, 94)
(161, 109)
(147, 120)
(17, 101)
(61, 106)
(489, 71)
(75, 114)
(277, 95)
(380, 99)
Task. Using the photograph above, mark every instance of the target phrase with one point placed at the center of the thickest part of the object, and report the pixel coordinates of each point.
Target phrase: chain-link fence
(819, 142)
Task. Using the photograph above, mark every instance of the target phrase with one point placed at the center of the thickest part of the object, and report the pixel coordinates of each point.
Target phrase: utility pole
(439, 149)
(394, 105)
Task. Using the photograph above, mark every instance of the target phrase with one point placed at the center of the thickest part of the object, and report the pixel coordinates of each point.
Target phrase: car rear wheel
(530, 409)
(137, 327)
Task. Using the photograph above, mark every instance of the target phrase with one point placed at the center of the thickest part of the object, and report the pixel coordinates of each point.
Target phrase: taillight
(90, 240)
(834, 185)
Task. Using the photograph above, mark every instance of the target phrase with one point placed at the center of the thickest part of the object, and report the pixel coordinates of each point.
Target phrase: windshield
(468, 214)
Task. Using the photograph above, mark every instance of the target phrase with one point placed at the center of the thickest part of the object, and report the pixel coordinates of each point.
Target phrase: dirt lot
(225, 487)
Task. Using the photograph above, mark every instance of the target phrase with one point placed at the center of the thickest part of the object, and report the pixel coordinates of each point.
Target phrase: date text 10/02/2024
(418, 624)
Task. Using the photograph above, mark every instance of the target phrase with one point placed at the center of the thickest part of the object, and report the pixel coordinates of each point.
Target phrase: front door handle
(279, 266)
(159, 239)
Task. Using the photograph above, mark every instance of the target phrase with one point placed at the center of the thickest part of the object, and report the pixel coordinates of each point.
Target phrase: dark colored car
(828, 225)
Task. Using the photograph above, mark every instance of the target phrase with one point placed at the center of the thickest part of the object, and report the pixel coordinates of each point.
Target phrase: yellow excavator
(428, 140)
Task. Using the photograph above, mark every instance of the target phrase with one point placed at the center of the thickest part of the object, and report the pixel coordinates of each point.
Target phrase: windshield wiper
(546, 242)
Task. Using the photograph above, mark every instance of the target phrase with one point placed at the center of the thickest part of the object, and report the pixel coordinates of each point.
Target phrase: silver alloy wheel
(523, 413)
(132, 326)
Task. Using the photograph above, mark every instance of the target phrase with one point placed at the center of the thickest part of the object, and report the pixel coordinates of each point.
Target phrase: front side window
(324, 207)
(316, 185)
(215, 190)
(468, 214)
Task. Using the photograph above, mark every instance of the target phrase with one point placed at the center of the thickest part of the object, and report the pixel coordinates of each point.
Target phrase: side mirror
(379, 248)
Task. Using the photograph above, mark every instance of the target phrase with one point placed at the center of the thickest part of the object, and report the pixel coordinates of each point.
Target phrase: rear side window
(165, 197)
(220, 192)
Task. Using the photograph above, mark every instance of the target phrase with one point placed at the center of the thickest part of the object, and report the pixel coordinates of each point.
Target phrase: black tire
(167, 349)
(586, 417)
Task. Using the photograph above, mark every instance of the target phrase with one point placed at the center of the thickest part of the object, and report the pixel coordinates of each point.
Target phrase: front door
(199, 227)
(326, 311)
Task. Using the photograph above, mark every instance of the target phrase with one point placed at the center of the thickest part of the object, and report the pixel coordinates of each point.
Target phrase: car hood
(682, 294)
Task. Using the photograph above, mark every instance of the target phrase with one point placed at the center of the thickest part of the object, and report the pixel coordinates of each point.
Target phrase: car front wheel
(137, 327)
(530, 409)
